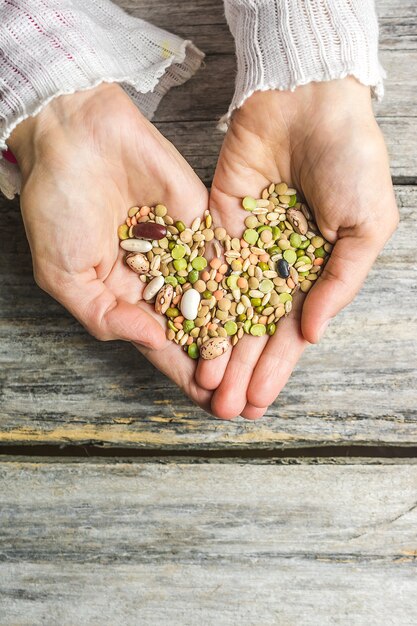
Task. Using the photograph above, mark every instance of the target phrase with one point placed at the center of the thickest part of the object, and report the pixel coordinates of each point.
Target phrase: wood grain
(207, 95)
(202, 100)
(203, 22)
(59, 385)
(120, 543)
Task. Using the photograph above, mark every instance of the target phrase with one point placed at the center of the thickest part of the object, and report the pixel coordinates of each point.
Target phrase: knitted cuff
(56, 47)
(281, 44)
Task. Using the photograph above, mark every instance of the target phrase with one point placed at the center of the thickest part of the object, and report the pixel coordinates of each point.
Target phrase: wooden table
(121, 503)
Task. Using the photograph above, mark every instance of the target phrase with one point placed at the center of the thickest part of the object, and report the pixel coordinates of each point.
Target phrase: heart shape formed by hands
(246, 287)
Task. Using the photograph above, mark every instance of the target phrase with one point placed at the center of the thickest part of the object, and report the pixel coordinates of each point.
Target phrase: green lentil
(193, 276)
(266, 285)
(274, 250)
(231, 281)
(304, 244)
(123, 231)
(284, 244)
(178, 252)
(258, 330)
(262, 228)
(193, 351)
(249, 203)
(188, 325)
(246, 325)
(295, 240)
(250, 236)
(199, 263)
(230, 327)
(180, 264)
(171, 280)
(290, 256)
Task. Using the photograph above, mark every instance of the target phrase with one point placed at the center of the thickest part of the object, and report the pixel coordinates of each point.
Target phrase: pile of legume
(208, 302)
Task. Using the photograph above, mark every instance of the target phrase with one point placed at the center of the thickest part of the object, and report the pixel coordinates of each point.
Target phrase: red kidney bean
(149, 230)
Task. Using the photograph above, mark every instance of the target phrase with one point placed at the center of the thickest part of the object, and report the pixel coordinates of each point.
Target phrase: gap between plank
(336, 453)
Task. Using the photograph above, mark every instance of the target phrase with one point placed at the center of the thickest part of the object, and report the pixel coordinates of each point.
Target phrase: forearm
(281, 44)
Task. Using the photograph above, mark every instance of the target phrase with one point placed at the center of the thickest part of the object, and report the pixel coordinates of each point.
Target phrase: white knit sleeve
(281, 44)
(54, 47)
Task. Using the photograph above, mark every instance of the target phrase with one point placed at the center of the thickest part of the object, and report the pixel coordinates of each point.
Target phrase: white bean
(136, 245)
(189, 304)
(153, 287)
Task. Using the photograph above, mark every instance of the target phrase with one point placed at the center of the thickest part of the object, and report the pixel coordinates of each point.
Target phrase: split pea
(230, 327)
(193, 351)
(249, 203)
(290, 256)
(258, 330)
(250, 236)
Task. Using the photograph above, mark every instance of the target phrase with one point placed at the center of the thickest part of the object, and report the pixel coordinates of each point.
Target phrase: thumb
(349, 263)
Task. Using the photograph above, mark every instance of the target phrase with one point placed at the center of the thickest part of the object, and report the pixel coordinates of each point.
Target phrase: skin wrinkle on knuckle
(95, 320)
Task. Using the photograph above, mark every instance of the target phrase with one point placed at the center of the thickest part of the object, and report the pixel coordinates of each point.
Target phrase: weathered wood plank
(208, 94)
(59, 385)
(204, 23)
(154, 544)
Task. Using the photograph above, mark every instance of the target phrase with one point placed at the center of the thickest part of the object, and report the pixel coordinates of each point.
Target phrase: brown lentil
(272, 223)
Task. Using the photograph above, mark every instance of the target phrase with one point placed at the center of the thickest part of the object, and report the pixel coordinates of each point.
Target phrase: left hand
(323, 140)
(85, 159)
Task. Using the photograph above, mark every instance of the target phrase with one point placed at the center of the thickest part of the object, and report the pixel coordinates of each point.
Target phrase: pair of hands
(86, 158)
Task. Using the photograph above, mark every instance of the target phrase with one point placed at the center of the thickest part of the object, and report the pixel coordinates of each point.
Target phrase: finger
(229, 399)
(278, 359)
(182, 374)
(107, 317)
(251, 412)
(209, 374)
(349, 263)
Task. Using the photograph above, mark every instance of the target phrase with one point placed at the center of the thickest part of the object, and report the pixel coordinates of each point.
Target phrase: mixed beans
(246, 287)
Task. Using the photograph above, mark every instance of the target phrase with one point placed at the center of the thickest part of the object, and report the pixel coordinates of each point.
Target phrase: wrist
(55, 123)
(329, 102)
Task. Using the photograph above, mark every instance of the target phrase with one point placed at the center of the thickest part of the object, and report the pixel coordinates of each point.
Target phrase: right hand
(323, 139)
(85, 160)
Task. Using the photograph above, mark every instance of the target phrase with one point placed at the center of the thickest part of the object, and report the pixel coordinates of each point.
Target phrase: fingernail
(322, 329)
